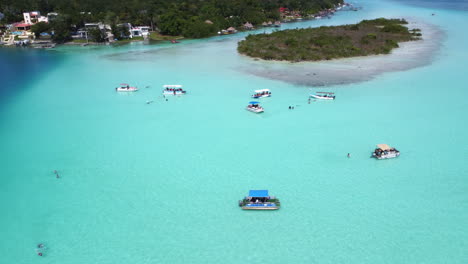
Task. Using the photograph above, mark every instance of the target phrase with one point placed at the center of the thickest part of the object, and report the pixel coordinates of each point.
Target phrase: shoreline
(408, 55)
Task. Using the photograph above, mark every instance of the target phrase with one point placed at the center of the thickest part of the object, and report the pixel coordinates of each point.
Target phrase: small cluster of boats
(254, 106)
(169, 89)
(261, 200)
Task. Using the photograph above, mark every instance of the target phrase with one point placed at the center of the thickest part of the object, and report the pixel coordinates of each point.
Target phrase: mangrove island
(369, 37)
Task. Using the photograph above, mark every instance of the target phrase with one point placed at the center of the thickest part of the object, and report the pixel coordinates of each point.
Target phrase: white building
(34, 17)
(139, 31)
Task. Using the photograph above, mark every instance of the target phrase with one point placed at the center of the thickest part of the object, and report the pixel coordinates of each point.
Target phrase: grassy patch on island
(369, 37)
(158, 36)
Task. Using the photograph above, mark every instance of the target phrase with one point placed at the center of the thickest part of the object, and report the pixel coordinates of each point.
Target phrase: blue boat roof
(254, 102)
(258, 193)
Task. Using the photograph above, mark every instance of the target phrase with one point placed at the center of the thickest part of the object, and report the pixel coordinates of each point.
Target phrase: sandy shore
(350, 70)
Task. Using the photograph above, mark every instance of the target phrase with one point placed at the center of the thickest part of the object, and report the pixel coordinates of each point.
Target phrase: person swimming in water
(349, 155)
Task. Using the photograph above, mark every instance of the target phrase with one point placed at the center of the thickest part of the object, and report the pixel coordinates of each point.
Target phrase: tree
(120, 31)
(39, 28)
(61, 29)
(171, 23)
(96, 34)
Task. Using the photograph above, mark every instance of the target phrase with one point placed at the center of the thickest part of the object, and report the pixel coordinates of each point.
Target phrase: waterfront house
(139, 31)
(34, 17)
(231, 30)
(83, 33)
(248, 26)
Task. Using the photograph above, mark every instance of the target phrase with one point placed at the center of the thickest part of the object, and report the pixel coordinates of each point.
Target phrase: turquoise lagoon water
(159, 183)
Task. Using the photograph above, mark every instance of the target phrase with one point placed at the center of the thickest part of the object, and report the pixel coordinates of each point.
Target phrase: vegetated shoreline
(409, 55)
(369, 37)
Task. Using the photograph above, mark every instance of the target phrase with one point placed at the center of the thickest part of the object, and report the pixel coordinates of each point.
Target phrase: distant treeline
(369, 37)
(171, 17)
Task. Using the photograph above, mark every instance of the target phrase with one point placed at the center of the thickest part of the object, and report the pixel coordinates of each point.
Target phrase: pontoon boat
(323, 96)
(259, 200)
(384, 151)
(173, 89)
(261, 93)
(254, 107)
(126, 88)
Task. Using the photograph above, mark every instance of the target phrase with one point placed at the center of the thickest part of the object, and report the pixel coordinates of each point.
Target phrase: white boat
(126, 88)
(254, 107)
(384, 151)
(261, 93)
(173, 89)
(323, 96)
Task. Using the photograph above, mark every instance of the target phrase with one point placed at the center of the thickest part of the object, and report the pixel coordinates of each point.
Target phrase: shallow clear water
(159, 183)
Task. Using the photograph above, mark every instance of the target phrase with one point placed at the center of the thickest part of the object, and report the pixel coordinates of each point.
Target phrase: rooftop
(384, 146)
(258, 193)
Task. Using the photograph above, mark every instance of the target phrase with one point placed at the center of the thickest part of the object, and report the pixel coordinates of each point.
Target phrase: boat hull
(126, 90)
(322, 98)
(172, 93)
(260, 208)
(386, 156)
(254, 110)
(261, 96)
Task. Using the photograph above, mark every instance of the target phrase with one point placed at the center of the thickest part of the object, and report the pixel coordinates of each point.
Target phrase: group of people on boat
(175, 90)
(262, 94)
(379, 152)
(256, 106)
(124, 87)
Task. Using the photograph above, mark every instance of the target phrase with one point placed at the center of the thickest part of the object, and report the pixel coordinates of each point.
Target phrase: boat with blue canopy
(259, 200)
(255, 107)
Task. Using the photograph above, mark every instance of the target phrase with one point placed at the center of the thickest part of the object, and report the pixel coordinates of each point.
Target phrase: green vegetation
(171, 17)
(120, 32)
(158, 37)
(369, 37)
(79, 41)
(39, 28)
(96, 35)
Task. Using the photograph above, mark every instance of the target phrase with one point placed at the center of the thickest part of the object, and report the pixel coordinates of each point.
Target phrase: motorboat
(173, 89)
(261, 93)
(254, 107)
(384, 151)
(323, 96)
(259, 200)
(126, 88)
